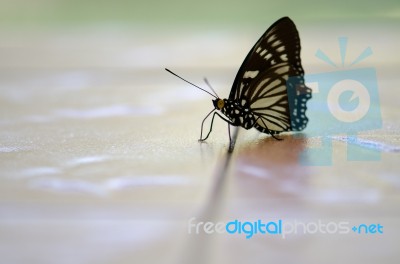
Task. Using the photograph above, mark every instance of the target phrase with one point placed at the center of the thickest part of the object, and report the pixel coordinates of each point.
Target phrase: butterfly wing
(271, 102)
(275, 55)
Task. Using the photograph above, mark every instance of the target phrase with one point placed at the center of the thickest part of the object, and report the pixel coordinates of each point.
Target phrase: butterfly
(268, 92)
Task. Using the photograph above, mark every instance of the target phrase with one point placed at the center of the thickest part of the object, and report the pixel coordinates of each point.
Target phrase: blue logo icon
(345, 102)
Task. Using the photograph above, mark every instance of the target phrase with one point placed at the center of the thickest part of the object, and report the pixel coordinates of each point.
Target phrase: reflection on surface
(269, 168)
(262, 171)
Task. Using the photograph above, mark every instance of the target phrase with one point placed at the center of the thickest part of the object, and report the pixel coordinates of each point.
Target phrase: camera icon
(344, 103)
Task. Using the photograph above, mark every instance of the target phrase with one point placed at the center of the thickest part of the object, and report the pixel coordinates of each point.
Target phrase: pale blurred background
(99, 159)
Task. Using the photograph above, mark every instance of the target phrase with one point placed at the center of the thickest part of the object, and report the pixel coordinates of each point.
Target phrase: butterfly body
(238, 113)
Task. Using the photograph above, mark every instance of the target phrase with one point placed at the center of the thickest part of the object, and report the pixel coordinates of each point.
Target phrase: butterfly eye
(220, 104)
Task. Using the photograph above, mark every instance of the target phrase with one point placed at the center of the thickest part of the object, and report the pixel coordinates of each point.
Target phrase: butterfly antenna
(209, 86)
(190, 82)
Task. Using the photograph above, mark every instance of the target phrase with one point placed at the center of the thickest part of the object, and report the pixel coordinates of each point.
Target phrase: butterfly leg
(232, 142)
(269, 131)
(272, 135)
(202, 124)
(229, 133)
(212, 121)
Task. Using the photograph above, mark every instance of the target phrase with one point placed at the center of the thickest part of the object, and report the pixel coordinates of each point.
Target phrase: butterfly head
(218, 103)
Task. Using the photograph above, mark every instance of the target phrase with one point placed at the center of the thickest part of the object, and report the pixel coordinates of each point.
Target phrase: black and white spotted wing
(271, 80)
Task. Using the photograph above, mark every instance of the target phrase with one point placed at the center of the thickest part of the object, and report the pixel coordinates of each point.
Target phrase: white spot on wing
(272, 38)
(283, 57)
(276, 43)
(250, 74)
